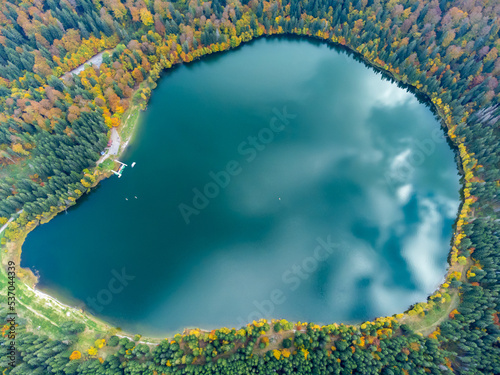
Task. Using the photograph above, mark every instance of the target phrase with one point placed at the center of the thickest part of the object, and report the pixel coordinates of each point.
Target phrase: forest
(53, 127)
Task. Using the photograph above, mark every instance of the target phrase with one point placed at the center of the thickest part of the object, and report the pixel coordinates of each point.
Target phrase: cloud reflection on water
(331, 168)
(400, 224)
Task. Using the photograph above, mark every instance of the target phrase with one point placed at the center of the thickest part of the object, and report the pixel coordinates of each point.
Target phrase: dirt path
(427, 329)
(8, 222)
(37, 313)
(114, 148)
(453, 305)
(95, 60)
(130, 337)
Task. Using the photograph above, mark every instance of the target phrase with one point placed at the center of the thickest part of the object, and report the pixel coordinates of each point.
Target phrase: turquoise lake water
(283, 179)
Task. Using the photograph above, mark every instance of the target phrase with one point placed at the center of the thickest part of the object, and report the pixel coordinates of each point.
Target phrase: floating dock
(119, 172)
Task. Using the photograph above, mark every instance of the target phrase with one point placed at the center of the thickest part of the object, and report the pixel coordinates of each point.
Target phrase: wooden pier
(120, 170)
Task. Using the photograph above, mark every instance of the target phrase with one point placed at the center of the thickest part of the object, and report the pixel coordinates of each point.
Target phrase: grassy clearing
(131, 119)
(428, 323)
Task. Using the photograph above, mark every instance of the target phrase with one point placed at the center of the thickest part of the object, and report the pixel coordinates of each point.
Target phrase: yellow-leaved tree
(18, 149)
(75, 355)
(146, 17)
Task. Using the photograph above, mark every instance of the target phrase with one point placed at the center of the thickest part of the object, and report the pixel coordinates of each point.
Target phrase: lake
(283, 179)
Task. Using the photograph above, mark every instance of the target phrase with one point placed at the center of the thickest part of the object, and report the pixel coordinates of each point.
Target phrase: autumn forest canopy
(54, 126)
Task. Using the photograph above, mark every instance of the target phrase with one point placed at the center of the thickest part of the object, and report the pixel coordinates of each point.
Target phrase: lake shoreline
(28, 277)
(123, 147)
